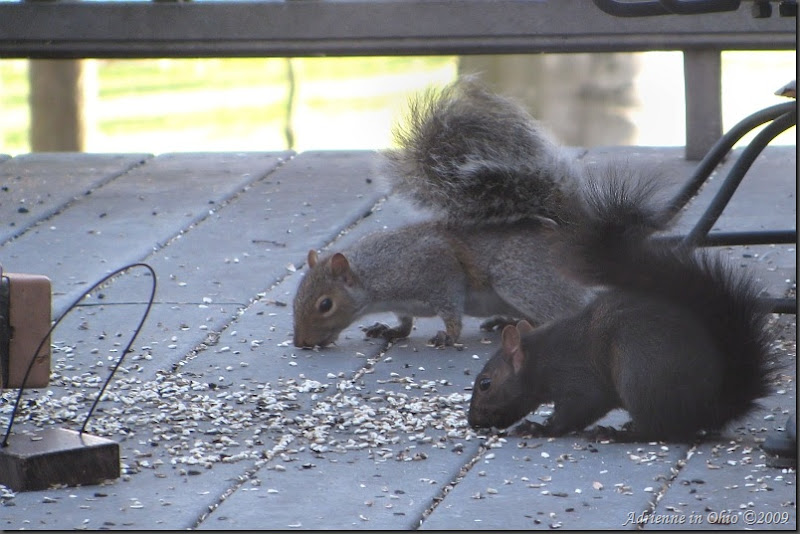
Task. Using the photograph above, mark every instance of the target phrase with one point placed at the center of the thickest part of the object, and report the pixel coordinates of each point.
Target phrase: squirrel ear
(511, 343)
(312, 257)
(524, 327)
(507, 338)
(339, 265)
(512, 347)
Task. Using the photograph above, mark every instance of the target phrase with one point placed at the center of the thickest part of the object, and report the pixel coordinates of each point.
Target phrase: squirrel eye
(325, 305)
(484, 383)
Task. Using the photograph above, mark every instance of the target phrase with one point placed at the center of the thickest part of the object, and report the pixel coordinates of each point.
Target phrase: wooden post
(702, 71)
(584, 99)
(59, 92)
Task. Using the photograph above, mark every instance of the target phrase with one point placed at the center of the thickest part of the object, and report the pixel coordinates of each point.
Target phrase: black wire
(55, 324)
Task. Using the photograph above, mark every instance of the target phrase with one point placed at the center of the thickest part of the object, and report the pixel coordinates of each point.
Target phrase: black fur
(677, 337)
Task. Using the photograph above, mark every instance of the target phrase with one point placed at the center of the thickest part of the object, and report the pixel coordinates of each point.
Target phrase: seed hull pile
(199, 424)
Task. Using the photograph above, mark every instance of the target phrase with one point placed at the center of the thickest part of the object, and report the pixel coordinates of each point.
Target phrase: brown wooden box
(28, 312)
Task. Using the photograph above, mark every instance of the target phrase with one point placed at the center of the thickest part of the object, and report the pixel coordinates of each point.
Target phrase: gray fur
(468, 153)
(498, 185)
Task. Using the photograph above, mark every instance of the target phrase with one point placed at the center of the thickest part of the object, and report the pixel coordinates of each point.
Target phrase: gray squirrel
(496, 183)
(675, 337)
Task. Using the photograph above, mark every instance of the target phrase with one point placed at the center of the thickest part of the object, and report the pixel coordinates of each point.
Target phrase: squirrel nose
(302, 342)
(297, 338)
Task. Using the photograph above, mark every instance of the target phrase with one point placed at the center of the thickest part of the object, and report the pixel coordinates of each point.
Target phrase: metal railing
(294, 28)
(77, 29)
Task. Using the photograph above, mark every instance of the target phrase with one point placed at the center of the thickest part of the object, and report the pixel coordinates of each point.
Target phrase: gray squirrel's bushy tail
(609, 242)
(475, 156)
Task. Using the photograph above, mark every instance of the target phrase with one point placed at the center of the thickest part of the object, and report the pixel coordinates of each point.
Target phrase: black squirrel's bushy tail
(609, 243)
(474, 156)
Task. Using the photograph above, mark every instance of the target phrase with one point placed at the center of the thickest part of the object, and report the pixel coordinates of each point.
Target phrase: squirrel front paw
(528, 429)
(603, 433)
(382, 330)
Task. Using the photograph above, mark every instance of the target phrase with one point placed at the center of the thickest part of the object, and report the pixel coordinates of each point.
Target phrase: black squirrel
(496, 183)
(675, 337)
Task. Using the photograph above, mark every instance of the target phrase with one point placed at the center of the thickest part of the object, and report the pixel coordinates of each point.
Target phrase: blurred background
(167, 105)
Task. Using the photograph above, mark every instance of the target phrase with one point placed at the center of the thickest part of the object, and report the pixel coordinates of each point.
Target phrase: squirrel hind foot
(498, 322)
(629, 433)
(442, 339)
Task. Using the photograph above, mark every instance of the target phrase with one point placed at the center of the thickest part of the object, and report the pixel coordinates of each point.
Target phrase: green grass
(15, 138)
(220, 120)
(241, 103)
(13, 84)
(122, 78)
(146, 104)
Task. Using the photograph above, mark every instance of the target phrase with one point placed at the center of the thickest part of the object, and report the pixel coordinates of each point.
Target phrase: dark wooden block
(57, 456)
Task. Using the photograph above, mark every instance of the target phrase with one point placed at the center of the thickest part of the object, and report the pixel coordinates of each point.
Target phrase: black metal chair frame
(780, 117)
